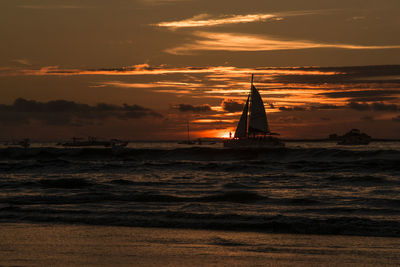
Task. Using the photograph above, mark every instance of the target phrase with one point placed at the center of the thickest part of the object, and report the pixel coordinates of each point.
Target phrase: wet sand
(75, 245)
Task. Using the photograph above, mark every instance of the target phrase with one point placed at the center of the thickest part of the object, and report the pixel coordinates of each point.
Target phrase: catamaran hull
(254, 143)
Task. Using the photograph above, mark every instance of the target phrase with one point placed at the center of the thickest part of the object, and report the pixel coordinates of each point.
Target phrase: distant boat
(92, 141)
(187, 142)
(25, 143)
(354, 137)
(253, 132)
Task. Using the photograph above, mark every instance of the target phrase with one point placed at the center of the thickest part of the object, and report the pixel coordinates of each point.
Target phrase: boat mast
(251, 103)
(188, 139)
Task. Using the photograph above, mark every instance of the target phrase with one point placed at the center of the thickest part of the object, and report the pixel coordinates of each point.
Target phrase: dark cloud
(231, 105)
(384, 107)
(340, 75)
(191, 108)
(285, 109)
(312, 78)
(377, 106)
(23, 105)
(360, 94)
(324, 106)
(292, 109)
(373, 98)
(360, 72)
(359, 106)
(311, 107)
(63, 112)
(13, 118)
(288, 119)
(136, 111)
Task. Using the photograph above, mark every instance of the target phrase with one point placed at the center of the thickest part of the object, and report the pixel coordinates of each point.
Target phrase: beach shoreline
(26, 244)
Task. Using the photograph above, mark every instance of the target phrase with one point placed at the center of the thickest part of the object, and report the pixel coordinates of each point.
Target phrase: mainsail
(241, 130)
(258, 119)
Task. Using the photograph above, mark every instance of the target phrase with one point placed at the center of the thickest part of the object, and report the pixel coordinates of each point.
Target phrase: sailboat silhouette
(253, 130)
(187, 142)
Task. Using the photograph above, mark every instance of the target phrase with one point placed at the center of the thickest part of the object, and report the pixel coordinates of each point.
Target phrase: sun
(226, 134)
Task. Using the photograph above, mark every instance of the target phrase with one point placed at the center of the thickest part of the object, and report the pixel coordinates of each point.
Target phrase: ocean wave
(338, 225)
(68, 183)
(93, 160)
(199, 154)
(225, 242)
(129, 196)
(237, 196)
(357, 179)
(301, 201)
(235, 186)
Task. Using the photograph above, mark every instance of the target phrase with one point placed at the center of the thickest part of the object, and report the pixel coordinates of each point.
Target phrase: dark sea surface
(305, 188)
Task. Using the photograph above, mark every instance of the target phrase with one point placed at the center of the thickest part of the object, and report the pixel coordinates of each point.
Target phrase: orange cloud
(168, 84)
(245, 42)
(145, 69)
(282, 87)
(213, 121)
(205, 20)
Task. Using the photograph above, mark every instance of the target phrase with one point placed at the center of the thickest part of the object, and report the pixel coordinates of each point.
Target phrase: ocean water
(305, 188)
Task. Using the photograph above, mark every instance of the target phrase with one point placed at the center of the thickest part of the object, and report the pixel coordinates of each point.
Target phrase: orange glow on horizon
(215, 133)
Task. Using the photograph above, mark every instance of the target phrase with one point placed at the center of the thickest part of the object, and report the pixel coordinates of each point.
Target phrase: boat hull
(268, 142)
(111, 143)
(354, 142)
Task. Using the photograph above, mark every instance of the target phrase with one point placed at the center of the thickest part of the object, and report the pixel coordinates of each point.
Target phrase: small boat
(255, 133)
(118, 143)
(354, 137)
(25, 143)
(92, 141)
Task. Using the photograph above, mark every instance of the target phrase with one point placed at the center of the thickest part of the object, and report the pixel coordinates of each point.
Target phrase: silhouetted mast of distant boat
(188, 142)
(188, 134)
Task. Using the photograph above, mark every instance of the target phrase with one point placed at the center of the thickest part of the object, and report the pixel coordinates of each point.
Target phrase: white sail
(241, 130)
(258, 119)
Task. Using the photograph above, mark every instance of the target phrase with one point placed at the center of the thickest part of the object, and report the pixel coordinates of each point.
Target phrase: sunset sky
(140, 69)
